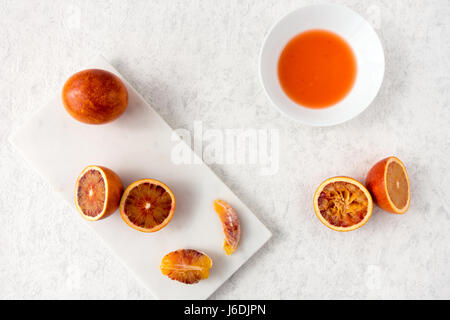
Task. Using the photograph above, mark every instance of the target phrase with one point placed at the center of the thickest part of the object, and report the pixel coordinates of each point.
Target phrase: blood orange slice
(343, 204)
(230, 224)
(97, 192)
(389, 184)
(186, 265)
(147, 205)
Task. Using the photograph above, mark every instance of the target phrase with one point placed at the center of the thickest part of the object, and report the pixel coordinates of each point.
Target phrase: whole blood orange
(147, 205)
(186, 265)
(230, 224)
(343, 204)
(97, 192)
(95, 96)
(389, 184)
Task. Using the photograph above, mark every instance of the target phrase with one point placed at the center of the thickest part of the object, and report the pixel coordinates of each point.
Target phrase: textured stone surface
(197, 60)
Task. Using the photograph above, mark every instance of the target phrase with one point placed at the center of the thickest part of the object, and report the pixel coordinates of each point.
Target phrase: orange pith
(230, 224)
(389, 184)
(147, 205)
(342, 204)
(186, 265)
(97, 192)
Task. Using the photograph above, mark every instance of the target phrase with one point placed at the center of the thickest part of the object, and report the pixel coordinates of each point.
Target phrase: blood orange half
(97, 192)
(343, 204)
(389, 184)
(147, 205)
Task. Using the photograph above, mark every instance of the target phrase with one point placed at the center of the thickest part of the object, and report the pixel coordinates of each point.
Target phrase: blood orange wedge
(97, 192)
(343, 204)
(186, 265)
(147, 205)
(389, 184)
(230, 224)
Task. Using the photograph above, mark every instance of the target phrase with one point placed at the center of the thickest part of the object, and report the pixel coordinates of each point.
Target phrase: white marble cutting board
(139, 145)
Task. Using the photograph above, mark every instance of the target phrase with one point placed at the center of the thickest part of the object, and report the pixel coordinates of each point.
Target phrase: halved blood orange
(343, 204)
(147, 205)
(97, 192)
(389, 184)
(230, 224)
(188, 266)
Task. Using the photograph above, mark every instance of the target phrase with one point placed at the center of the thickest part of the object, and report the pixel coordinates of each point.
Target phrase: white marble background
(197, 60)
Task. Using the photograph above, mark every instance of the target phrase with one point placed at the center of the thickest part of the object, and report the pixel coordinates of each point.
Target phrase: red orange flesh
(147, 205)
(343, 204)
(230, 224)
(186, 265)
(97, 192)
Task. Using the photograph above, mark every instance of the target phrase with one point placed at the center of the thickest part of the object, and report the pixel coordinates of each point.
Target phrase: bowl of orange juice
(322, 64)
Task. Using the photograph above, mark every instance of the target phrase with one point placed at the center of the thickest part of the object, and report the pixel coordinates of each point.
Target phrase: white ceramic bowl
(356, 31)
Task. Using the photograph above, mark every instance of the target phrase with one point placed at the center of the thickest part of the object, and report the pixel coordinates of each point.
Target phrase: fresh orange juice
(317, 69)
